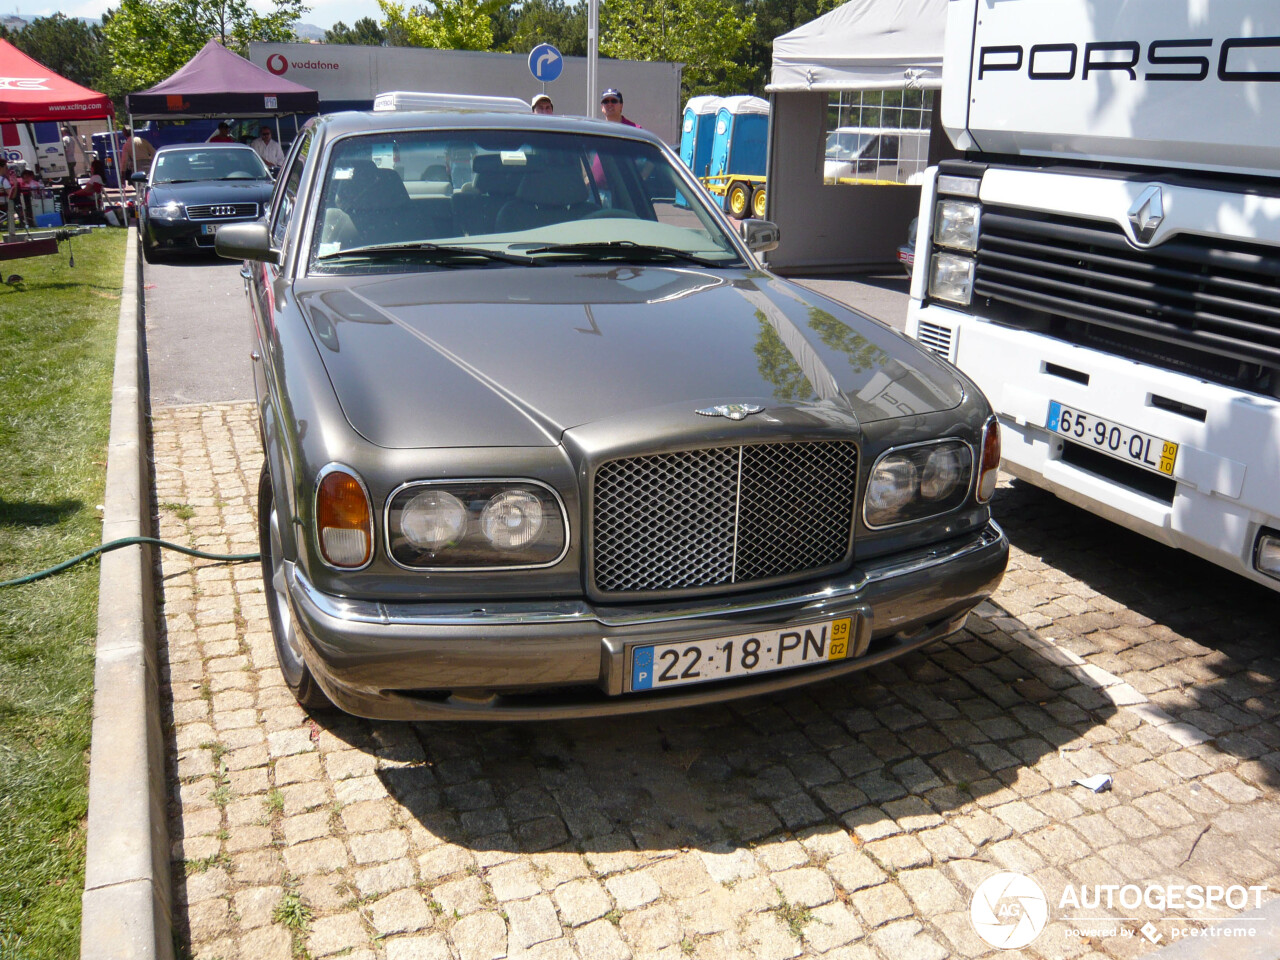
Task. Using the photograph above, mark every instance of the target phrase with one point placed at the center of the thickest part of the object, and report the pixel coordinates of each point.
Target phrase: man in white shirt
(267, 148)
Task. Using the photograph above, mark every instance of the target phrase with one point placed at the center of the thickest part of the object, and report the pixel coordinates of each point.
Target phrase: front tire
(149, 251)
(284, 631)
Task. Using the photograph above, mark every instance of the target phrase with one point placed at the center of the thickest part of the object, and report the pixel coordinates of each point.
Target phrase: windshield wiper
(626, 250)
(187, 180)
(428, 251)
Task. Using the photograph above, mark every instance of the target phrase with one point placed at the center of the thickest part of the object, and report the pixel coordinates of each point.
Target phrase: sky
(323, 13)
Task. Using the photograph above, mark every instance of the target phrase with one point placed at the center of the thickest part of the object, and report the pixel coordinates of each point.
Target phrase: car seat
(551, 194)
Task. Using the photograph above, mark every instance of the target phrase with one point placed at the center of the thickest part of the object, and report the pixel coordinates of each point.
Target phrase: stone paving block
(315, 856)
(633, 890)
(444, 861)
(513, 881)
(336, 934)
(899, 853)
(832, 925)
(581, 901)
(804, 886)
(728, 864)
(531, 921)
(602, 940)
(383, 878)
(769, 939)
(481, 936)
(881, 904)
(871, 823)
(781, 855)
(431, 947)
(266, 943)
(404, 911)
(462, 897)
(682, 876)
(930, 891)
(854, 871)
(378, 847)
(907, 940)
(651, 928)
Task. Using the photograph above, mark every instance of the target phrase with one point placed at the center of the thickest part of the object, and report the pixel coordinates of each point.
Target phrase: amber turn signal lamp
(344, 519)
(989, 467)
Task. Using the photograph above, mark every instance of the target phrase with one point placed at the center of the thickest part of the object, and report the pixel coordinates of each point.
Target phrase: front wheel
(757, 203)
(738, 200)
(149, 251)
(284, 631)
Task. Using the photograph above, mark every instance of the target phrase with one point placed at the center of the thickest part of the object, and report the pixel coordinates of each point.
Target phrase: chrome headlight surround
(917, 482)
(505, 523)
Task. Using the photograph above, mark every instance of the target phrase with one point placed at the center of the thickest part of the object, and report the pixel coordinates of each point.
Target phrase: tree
(553, 22)
(452, 25)
(774, 18)
(366, 32)
(707, 36)
(140, 59)
(66, 46)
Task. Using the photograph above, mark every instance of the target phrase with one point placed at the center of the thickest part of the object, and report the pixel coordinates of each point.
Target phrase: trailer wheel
(757, 202)
(738, 200)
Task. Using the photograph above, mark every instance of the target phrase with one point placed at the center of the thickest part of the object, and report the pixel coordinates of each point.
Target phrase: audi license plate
(1115, 439)
(663, 665)
(208, 229)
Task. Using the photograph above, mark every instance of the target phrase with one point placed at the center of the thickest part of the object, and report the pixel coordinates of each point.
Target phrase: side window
(289, 190)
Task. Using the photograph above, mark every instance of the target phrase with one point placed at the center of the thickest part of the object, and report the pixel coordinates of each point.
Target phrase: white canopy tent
(862, 45)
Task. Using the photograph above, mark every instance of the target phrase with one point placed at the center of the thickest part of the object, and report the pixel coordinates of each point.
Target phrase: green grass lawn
(57, 343)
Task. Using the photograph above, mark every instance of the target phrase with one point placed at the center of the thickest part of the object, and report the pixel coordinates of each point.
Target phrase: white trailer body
(1105, 261)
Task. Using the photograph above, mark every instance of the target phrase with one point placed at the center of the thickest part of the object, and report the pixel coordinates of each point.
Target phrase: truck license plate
(1114, 439)
(658, 666)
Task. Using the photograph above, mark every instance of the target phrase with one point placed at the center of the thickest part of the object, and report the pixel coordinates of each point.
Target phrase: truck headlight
(915, 482)
(951, 278)
(475, 524)
(955, 224)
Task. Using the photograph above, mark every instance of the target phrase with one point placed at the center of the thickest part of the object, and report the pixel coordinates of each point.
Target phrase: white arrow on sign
(549, 57)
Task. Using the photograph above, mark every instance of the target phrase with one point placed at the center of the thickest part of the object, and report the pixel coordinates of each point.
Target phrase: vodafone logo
(277, 63)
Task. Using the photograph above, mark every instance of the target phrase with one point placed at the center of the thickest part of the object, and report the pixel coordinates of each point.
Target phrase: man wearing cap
(611, 106)
(222, 134)
(542, 104)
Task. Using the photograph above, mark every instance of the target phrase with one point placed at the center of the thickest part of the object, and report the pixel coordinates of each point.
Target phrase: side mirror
(761, 236)
(245, 241)
(139, 177)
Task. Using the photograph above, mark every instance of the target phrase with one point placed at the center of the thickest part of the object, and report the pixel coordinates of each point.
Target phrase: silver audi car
(544, 439)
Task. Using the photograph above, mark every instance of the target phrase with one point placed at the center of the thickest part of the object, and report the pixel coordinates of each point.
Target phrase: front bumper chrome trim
(463, 614)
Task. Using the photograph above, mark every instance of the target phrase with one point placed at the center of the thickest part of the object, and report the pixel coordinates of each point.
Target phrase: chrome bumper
(560, 659)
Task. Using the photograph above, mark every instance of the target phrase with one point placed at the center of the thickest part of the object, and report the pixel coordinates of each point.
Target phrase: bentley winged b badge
(734, 411)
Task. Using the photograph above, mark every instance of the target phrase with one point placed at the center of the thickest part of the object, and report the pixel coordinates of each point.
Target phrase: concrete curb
(127, 912)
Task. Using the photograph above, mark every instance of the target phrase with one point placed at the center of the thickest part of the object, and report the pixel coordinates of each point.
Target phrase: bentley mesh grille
(221, 211)
(726, 515)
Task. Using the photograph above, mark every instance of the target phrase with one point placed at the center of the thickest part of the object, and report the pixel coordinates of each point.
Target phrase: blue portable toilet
(741, 138)
(697, 131)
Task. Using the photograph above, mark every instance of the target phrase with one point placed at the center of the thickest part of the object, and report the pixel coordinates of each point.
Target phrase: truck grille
(721, 516)
(1199, 305)
(222, 211)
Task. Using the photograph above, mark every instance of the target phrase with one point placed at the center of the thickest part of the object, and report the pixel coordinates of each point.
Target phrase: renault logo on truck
(1164, 59)
(1147, 213)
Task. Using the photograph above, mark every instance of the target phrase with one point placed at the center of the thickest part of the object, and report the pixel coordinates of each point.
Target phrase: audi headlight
(955, 225)
(951, 278)
(172, 210)
(476, 524)
(915, 482)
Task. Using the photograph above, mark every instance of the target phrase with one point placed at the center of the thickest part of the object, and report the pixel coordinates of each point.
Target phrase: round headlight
(892, 485)
(512, 519)
(941, 473)
(433, 519)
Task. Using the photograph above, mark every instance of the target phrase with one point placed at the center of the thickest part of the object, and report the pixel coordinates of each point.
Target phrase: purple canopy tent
(219, 83)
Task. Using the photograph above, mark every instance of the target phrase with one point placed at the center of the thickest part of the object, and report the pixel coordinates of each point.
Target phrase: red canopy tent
(30, 91)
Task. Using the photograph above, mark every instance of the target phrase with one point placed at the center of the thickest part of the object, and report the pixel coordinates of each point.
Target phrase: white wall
(651, 91)
(826, 227)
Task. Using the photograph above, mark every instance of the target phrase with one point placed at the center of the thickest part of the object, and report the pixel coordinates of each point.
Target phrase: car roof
(176, 147)
(352, 122)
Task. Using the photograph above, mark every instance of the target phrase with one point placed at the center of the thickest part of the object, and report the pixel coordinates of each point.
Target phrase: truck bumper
(1223, 494)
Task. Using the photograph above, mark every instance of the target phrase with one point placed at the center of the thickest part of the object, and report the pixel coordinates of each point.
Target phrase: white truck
(1105, 260)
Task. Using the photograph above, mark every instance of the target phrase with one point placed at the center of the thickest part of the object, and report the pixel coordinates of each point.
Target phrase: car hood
(498, 356)
(211, 191)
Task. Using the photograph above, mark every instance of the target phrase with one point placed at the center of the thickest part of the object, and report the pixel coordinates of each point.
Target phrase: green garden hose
(128, 542)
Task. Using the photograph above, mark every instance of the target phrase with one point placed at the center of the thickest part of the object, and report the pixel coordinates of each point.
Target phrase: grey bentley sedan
(543, 439)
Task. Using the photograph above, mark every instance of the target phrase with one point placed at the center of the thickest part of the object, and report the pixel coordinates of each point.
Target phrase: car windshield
(844, 144)
(441, 199)
(236, 163)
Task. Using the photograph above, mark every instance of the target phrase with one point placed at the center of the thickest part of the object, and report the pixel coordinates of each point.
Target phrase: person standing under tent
(222, 134)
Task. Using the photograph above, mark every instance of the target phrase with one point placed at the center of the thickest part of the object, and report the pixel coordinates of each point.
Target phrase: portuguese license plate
(1115, 439)
(658, 666)
(208, 229)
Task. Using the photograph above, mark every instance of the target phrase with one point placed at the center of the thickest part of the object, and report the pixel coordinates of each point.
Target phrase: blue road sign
(545, 62)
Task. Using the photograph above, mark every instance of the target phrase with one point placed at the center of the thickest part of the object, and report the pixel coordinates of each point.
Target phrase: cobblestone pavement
(849, 820)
